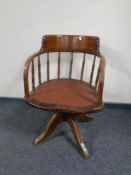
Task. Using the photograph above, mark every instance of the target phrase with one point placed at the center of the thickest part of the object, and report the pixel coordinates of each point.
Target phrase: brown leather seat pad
(65, 92)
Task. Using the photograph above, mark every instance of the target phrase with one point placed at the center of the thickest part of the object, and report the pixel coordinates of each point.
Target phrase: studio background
(23, 23)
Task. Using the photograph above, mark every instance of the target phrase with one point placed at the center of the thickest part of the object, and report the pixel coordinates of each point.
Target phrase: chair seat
(66, 95)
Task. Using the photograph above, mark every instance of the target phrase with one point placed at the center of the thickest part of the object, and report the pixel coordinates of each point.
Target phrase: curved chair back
(87, 46)
(70, 43)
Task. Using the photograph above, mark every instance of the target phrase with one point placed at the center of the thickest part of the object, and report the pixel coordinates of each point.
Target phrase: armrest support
(101, 78)
(26, 70)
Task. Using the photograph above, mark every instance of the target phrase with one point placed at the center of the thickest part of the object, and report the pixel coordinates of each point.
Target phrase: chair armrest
(26, 71)
(101, 78)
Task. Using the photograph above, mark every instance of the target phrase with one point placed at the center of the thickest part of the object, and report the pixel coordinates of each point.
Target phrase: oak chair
(68, 98)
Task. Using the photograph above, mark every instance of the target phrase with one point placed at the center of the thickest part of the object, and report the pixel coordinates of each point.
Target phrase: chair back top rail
(70, 43)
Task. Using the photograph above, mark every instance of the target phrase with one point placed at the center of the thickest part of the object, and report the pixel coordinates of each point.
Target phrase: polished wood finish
(71, 63)
(33, 76)
(50, 127)
(92, 70)
(70, 43)
(82, 69)
(68, 95)
(39, 70)
(48, 67)
(52, 124)
(78, 137)
(84, 117)
(65, 95)
(59, 60)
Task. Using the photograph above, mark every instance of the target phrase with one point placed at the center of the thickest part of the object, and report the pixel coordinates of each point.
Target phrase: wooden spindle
(71, 63)
(98, 73)
(59, 60)
(33, 75)
(92, 70)
(82, 68)
(48, 67)
(39, 70)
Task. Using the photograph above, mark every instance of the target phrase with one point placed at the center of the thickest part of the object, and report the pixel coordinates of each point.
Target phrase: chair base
(59, 117)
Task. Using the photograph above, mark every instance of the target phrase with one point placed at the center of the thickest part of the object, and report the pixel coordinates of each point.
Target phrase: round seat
(66, 95)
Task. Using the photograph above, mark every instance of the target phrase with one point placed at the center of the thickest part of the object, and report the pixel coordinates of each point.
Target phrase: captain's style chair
(68, 96)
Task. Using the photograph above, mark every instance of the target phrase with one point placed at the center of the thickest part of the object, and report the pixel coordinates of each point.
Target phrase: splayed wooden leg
(50, 127)
(78, 137)
(85, 117)
(52, 124)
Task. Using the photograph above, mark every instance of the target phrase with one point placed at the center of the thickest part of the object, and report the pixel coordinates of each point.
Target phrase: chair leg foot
(85, 117)
(78, 137)
(50, 127)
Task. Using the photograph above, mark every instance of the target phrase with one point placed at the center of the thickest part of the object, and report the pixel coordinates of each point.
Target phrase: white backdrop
(24, 22)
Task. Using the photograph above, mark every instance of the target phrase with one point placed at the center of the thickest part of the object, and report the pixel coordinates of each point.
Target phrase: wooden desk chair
(69, 98)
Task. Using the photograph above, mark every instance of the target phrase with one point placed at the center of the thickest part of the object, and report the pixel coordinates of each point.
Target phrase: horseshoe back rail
(67, 43)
